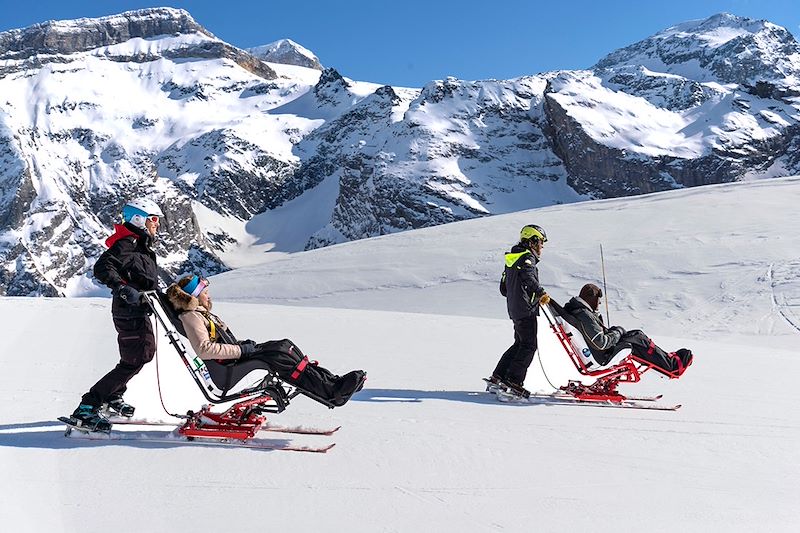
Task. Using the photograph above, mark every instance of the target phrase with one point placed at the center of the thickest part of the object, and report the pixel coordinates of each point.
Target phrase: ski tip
(311, 449)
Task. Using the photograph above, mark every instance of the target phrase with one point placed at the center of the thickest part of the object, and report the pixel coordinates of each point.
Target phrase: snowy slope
(671, 259)
(421, 448)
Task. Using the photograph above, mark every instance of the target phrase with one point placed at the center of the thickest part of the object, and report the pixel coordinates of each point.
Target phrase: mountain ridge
(229, 143)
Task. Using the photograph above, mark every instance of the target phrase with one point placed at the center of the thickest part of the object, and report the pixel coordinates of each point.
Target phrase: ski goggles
(152, 218)
(196, 285)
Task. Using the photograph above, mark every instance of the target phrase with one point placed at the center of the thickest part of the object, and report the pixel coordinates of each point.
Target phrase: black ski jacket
(128, 261)
(601, 341)
(520, 283)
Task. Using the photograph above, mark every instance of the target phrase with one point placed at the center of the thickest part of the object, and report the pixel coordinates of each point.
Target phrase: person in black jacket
(520, 285)
(605, 343)
(128, 267)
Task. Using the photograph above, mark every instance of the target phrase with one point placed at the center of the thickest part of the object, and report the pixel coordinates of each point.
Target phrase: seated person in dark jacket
(212, 340)
(604, 343)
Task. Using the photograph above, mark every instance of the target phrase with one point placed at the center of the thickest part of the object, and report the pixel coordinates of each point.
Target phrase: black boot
(88, 416)
(347, 385)
(516, 388)
(118, 406)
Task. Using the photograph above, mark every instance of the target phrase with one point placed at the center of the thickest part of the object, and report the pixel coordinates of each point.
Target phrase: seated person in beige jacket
(211, 339)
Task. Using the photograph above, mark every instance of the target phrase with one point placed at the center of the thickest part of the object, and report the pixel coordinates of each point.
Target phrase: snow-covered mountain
(249, 156)
(287, 52)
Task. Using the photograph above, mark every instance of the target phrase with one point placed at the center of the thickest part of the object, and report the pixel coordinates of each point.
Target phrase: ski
(301, 430)
(495, 388)
(79, 432)
(566, 396)
(571, 400)
(297, 430)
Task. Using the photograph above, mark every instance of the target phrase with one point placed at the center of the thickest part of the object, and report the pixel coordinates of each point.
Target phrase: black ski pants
(286, 359)
(137, 346)
(642, 346)
(514, 363)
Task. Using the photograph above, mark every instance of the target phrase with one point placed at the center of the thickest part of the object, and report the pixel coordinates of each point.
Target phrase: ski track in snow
(784, 281)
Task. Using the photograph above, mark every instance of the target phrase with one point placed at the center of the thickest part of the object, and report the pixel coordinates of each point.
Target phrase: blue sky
(411, 42)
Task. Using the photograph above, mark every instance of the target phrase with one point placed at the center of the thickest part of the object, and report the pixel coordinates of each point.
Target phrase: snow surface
(422, 448)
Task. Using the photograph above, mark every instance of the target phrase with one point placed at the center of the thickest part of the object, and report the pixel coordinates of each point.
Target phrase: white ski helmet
(136, 211)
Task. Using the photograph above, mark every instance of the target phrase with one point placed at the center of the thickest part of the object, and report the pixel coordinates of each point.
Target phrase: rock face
(49, 41)
(702, 102)
(94, 112)
(69, 37)
(455, 150)
(722, 48)
(286, 52)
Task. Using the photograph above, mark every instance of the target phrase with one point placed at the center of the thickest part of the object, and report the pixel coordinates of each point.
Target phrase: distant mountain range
(262, 150)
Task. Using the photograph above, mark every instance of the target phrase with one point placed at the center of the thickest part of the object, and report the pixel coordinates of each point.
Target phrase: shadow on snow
(54, 438)
(417, 396)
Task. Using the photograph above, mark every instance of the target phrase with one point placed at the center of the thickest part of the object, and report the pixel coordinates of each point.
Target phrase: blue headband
(195, 286)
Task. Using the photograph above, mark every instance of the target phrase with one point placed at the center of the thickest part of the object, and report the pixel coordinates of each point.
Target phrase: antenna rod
(605, 292)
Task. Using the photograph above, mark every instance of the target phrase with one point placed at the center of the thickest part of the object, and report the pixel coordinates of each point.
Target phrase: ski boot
(515, 389)
(88, 417)
(493, 384)
(117, 406)
(349, 384)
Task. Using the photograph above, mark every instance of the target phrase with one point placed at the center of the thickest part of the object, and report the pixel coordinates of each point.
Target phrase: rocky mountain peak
(716, 22)
(61, 40)
(81, 35)
(723, 48)
(330, 77)
(287, 52)
(438, 90)
(387, 93)
(331, 86)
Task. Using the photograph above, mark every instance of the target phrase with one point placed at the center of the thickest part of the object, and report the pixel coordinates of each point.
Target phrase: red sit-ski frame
(243, 419)
(627, 370)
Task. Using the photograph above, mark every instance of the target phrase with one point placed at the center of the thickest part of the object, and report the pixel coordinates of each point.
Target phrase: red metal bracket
(241, 421)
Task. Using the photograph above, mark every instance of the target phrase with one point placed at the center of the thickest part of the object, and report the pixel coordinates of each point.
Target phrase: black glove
(248, 347)
(129, 295)
(619, 329)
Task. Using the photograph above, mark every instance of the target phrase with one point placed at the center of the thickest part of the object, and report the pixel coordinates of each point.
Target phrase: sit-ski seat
(216, 379)
(623, 350)
(220, 377)
(576, 344)
(622, 368)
